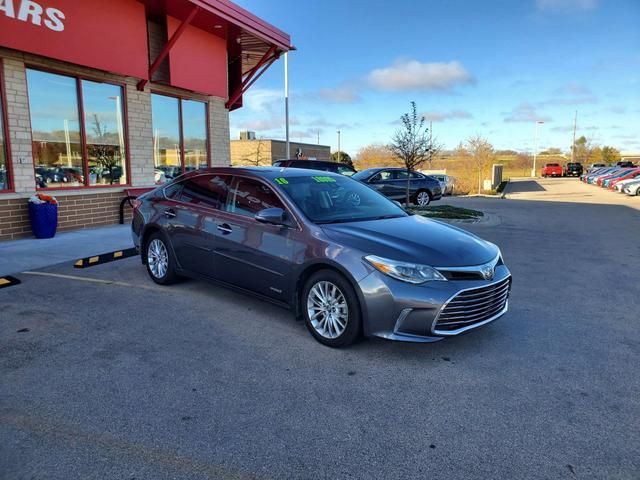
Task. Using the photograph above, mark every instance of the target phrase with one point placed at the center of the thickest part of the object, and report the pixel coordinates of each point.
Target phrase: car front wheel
(160, 261)
(423, 198)
(331, 309)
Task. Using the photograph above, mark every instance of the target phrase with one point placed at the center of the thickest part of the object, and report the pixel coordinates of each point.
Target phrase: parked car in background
(301, 240)
(603, 181)
(552, 170)
(619, 185)
(632, 188)
(446, 183)
(625, 164)
(392, 183)
(629, 174)
(595, 166)
(335, 167)
(573, 169)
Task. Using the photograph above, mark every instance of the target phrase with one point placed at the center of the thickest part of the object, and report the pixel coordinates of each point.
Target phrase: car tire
(422, 198)
(331, 309)
(161, 264)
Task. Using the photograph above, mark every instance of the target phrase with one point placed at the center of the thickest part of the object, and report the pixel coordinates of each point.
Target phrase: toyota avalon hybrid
(343, 257)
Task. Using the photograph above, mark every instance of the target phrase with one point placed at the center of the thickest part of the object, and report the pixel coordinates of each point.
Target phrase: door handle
(225, 228)
(169, 213)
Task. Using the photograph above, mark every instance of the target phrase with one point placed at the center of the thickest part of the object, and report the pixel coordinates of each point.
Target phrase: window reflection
(166, 137)
(169, 148)
(4, 175)
(104, 129)
(194, 131)
(55, 129)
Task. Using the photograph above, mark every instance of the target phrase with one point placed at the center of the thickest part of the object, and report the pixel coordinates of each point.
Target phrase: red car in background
(552, 170)
(629, 175)
(617, 174)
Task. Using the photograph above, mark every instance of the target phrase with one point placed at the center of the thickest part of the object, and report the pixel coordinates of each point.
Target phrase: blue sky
(473, 67)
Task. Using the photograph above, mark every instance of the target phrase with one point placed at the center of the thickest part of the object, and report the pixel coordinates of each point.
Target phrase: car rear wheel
(160, 261)
(423, 198)
(331, 309)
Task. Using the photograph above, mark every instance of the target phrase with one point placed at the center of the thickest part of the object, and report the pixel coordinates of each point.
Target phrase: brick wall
(74, 212)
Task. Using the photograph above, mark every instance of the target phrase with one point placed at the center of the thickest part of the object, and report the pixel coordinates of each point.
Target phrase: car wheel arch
(310, 269)
(146, 234)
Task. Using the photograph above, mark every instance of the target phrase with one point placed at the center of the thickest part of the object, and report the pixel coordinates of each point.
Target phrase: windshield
(337, 199)
(364, 174)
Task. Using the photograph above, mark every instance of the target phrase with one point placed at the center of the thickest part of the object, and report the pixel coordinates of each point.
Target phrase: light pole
(535, 148)
(338, 156)
(286, 103)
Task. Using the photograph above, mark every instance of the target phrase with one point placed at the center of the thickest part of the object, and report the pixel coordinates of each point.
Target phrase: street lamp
(535, 148)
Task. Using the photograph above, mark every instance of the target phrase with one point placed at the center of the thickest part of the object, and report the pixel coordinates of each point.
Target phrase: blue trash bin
(44, 219)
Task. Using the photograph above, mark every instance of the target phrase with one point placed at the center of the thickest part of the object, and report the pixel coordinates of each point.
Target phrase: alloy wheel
(327, 309)
(423, 199)
(158, 258)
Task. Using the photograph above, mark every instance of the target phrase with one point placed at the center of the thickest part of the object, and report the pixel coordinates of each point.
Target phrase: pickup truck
(573, 169)
(552, 170)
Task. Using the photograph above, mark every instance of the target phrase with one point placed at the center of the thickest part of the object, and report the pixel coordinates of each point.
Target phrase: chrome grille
(473, 306)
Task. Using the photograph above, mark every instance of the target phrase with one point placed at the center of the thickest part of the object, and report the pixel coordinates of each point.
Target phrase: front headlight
(407, 272)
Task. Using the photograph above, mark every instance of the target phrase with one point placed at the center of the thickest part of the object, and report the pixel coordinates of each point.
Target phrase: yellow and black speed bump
(8, 281)
(105, 258)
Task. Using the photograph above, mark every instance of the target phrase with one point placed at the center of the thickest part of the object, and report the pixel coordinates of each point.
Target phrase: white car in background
(446, 183)
(632, 188)
(623, 183)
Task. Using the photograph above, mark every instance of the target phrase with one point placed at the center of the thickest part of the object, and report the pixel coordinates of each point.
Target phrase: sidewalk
(31, 253)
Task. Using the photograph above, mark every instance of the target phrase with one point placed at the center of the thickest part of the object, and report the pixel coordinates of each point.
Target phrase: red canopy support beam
(165, 50)
(253, 75)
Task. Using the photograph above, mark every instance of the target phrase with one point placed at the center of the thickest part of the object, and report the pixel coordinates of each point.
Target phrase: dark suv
(334, 167)
(573, 169)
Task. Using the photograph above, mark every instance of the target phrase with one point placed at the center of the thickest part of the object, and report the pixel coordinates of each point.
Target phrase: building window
(66, 151)
(179, 136)
(4, 157)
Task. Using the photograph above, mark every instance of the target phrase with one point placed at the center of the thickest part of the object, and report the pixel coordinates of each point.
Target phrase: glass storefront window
(194, 131)
(66, 155)
(179, 132)
(55, 126)
(4, 161)
(104, 130)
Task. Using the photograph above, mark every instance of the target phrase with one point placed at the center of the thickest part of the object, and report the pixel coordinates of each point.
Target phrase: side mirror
(273, 216)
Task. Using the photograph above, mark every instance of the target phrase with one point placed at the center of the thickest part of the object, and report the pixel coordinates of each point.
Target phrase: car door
(193, 221)
(399, 189)
(247, 253)
(383, 182)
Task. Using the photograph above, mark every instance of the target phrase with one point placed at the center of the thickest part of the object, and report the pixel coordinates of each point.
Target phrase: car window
(417, 175)
(385, 175)
(173, 191)
(344, 170)
(247, 197)
(400, 175)
(205, 190)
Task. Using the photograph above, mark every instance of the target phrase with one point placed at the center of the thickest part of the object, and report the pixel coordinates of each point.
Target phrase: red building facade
(100, 98)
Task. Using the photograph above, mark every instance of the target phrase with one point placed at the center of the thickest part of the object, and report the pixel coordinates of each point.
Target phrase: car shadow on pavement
(524, 187)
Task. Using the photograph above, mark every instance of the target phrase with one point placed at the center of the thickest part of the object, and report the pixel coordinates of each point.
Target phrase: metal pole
(430, 144)
(535, 149)
(573, 145)
(338, 156)
(286, 103)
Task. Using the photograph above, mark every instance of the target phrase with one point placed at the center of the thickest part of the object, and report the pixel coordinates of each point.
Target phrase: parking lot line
(95, 280)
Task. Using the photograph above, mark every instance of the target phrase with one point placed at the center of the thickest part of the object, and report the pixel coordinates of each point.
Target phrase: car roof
(264, 172)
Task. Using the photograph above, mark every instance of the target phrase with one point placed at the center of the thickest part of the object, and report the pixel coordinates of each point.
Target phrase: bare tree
(255, 157)
(410, 143)
(481, 153)
(103, 153)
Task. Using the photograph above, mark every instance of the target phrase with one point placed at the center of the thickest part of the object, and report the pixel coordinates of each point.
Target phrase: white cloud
(442, 116)
(524, 112)
(262, 99)
(414, 75)
(568, 101)
(345, 93)
(566, 6)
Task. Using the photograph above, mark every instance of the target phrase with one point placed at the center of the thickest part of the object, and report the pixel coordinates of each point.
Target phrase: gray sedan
(392, 183)
(344, 258)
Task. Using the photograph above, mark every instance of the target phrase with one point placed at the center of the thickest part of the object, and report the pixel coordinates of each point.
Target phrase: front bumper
(398, 310)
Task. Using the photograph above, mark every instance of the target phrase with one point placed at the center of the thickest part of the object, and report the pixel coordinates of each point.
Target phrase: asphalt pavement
(104, 374)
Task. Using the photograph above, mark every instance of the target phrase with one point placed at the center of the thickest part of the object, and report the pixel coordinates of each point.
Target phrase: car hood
(414, 239)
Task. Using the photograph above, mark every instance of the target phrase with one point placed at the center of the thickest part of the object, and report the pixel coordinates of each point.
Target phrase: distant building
(249, 150)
